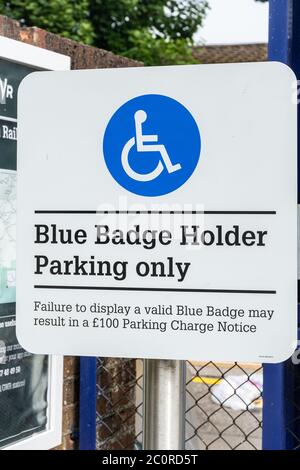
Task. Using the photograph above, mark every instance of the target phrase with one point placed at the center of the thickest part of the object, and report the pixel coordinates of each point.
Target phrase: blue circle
(168, 131)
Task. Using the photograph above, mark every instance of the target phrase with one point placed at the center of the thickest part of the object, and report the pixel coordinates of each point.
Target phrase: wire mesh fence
(223, 405)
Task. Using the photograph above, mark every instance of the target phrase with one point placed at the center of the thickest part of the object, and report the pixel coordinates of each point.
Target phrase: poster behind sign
(23, 376)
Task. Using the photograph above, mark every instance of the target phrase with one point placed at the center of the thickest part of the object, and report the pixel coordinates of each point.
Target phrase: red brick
(71, 391)
(215, 54)
(70, 418)
(71, 366)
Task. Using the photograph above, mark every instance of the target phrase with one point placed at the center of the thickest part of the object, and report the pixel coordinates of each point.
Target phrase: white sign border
(42, 59)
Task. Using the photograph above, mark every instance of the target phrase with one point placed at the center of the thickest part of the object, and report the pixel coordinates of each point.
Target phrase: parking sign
(157, 213)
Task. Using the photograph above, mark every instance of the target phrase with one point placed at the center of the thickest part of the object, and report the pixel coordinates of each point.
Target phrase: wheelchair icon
(142, 145)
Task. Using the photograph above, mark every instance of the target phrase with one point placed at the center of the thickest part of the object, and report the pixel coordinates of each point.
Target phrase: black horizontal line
(156, 289)
(155, 212)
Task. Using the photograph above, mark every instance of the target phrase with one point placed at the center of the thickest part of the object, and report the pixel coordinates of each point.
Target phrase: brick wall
(70, 423)
(216, 54)
(82, 57)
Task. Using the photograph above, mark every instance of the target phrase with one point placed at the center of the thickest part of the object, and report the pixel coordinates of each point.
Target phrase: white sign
(157, 213)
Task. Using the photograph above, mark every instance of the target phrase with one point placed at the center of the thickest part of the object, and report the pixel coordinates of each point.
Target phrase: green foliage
(135, 26)
(153, 31)
(154, 51)
(69, 18)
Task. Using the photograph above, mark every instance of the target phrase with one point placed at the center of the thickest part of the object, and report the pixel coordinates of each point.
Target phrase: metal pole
(164, 405)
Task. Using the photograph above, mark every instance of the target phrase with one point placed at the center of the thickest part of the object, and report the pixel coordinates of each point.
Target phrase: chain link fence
(223, 405)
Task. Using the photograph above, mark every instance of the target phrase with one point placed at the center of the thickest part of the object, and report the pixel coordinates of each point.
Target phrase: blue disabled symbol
(152, 145)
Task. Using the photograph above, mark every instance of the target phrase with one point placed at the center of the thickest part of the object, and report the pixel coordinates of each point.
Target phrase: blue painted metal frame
(280, 379)
(88, 403)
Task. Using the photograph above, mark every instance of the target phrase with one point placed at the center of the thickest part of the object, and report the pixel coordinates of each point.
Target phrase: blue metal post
(279, 409)
(88, 403)
(280, 30)
(274, 408)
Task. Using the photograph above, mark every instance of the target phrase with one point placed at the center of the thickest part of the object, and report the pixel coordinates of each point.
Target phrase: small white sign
(157, 213)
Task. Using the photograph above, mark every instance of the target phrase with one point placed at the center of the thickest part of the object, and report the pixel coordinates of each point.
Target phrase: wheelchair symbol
(141, 140)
